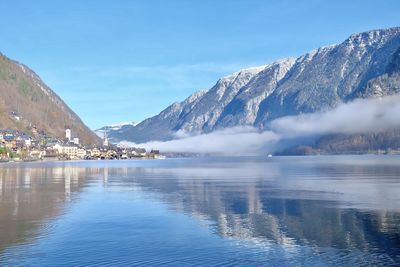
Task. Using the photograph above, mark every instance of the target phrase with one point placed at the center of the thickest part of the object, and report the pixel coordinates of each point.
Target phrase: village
(19, 146)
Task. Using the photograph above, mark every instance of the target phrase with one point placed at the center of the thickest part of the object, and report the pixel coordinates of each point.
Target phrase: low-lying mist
(359, 116)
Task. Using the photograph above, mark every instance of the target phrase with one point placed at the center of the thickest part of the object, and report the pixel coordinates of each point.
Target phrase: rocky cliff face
(319, 80)
(386, 84)
(26, 102)
(389, 82)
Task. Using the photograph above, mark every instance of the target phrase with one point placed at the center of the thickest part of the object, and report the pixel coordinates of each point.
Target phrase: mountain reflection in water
(323, 210)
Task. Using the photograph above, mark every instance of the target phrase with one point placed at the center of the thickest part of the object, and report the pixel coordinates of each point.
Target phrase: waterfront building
(69, 150)
(76, 140)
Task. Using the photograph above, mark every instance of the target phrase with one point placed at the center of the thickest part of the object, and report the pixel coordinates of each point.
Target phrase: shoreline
(205, 156)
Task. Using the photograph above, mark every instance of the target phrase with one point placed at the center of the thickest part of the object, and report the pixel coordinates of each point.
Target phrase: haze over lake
(217, 211)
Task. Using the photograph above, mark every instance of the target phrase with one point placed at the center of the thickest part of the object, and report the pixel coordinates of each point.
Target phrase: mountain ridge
(27, 103)
(319, 80)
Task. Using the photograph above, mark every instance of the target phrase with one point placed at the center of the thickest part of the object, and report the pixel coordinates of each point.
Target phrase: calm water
(281, 211)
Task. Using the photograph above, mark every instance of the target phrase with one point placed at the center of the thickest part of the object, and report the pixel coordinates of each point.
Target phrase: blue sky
(114, 61)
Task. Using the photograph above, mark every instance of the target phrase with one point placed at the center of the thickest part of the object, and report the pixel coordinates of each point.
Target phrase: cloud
(161, 69)
(359, 116)
(236, 140)
(177, 77)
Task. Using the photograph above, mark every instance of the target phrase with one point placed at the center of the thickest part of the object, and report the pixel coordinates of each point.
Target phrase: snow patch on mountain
(318, 81)
(114, 127)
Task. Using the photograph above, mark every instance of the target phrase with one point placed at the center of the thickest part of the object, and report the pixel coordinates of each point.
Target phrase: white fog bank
(359, 116)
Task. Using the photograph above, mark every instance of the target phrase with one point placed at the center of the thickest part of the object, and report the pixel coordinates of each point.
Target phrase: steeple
(105, 138)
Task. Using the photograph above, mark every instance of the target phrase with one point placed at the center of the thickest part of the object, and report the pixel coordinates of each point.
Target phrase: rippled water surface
(247, 211)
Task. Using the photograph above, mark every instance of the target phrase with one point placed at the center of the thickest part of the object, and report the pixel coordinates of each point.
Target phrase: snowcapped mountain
(319, 80)
(113, 128)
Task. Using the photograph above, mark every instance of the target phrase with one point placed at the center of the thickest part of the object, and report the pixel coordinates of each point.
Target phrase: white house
(71, 150)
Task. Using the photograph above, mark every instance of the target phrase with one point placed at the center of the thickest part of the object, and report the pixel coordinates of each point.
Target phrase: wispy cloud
(167, 69)
(138, 91)
(173, 77)
(364, 115)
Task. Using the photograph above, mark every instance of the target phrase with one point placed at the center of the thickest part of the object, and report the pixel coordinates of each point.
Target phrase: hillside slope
(386, 84)
(317, 81)
(27, 102)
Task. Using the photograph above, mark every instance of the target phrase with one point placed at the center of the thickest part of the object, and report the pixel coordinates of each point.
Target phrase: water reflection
(30, 196)
(322, 204)
(350, 205)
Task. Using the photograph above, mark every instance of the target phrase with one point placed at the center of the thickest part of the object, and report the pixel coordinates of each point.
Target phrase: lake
(216, 211)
